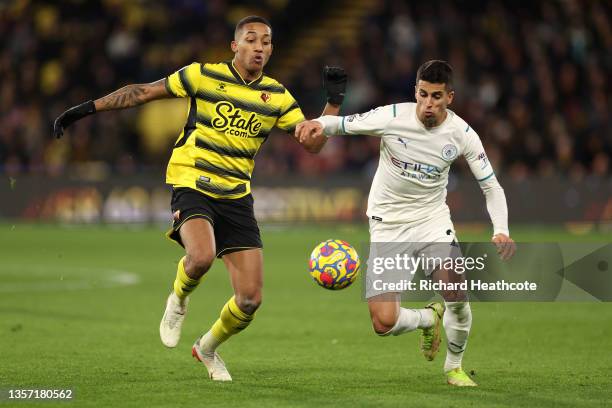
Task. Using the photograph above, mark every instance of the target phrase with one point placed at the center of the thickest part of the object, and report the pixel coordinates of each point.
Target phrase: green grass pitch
(89, 321)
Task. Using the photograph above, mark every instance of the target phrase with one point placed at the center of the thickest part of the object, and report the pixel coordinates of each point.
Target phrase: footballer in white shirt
(407, 204)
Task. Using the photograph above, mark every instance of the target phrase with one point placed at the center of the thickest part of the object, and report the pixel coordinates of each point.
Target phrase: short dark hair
(251, 19)
(436, 72)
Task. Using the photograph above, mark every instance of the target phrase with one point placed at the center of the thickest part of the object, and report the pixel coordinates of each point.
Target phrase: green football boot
(430, 337)
(459, 378)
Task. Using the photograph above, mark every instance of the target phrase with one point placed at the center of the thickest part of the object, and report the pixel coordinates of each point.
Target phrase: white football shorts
(399, 250)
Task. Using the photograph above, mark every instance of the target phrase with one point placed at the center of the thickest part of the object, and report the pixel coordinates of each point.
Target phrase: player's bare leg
(384, 310)
(198, 238)
(389, 318)
(246, 274)
(457, 324)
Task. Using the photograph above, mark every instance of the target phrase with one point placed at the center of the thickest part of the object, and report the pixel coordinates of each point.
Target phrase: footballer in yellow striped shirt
(233, 106)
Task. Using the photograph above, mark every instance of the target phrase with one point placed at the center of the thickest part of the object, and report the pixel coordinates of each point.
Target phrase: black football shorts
(233, 220)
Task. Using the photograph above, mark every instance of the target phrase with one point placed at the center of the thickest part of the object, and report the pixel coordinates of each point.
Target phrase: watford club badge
(265, 97)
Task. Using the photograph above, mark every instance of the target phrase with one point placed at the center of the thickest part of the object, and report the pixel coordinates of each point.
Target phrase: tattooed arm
(133, 95)
(126, 97)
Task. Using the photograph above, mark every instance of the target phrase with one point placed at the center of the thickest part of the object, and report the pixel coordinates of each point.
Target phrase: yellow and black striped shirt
(228, 121)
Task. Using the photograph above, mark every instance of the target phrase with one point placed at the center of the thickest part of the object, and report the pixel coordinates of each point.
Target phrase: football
(334, 264)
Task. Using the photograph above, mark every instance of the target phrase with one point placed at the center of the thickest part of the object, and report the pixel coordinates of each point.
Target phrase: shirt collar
(236, 74)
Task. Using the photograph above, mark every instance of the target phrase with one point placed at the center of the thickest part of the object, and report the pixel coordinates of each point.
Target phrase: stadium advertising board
(142, 199)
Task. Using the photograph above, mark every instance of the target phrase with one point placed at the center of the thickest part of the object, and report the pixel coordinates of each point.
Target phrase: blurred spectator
(532, 78)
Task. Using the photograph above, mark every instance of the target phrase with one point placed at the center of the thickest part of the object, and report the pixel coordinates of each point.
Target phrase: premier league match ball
(334, 264)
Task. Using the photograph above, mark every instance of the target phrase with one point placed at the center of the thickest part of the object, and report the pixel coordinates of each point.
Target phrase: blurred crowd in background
(533, 78)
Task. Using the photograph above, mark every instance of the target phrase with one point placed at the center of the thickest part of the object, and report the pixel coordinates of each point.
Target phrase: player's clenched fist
(505, 246)
(334, 82)
(309, 129)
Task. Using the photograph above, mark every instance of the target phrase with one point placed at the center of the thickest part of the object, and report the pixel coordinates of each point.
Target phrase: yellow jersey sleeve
(290, 115)
(184, 82)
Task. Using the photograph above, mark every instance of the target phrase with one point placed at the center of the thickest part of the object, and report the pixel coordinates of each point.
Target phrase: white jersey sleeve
(485, 175)
(476, 157)
(371, 123)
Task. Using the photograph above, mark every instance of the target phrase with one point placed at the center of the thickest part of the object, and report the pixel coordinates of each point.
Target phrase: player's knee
(249, 303)
(382, 324)
(198, 263)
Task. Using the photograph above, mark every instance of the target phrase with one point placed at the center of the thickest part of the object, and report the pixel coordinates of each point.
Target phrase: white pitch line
(102, 279)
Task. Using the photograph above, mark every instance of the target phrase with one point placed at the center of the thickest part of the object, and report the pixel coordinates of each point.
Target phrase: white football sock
(427, 318)
(411, 319)
(208, 343)
(457, 324)
(176, 300)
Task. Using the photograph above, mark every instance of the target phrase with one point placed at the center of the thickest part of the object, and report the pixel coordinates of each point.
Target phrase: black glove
(334, 82)
(72, 115)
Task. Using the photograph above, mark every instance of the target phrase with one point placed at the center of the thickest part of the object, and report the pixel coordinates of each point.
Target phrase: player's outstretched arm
(334, 82)
(372, 123)
(133, 95)
(126, 97)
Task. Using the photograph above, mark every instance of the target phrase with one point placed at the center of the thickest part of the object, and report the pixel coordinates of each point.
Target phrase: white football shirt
(410, 182)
